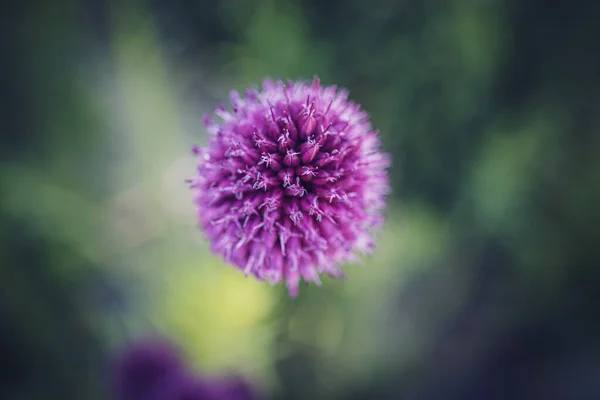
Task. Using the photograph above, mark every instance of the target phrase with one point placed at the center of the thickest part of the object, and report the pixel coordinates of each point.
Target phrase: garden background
(485, 283)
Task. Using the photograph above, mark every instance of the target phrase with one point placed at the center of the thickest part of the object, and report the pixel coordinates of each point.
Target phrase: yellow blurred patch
(217, 315)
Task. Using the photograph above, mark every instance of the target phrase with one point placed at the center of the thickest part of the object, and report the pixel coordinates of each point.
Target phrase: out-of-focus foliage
(485, 280)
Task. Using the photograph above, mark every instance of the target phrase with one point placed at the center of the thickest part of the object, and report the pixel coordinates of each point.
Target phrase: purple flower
(184, 387)
(153, 370)
(234, 388)
(143, 368)
(292, 182)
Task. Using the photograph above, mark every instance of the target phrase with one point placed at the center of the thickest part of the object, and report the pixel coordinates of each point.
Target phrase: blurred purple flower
(183, 386)
(292, 182)
(234, 389)
(153, 370)
(142, 368)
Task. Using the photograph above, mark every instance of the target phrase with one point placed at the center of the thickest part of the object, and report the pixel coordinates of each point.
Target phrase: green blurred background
(485, 283)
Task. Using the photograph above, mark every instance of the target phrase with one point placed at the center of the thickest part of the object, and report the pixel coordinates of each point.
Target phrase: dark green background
(490, 108)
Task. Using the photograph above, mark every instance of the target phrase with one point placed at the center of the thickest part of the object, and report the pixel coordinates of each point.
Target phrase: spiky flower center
(291, 179)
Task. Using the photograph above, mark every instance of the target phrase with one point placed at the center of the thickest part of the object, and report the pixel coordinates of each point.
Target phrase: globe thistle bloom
(292, 182)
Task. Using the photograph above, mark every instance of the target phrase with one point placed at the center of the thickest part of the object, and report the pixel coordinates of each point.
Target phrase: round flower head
(292, 182)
